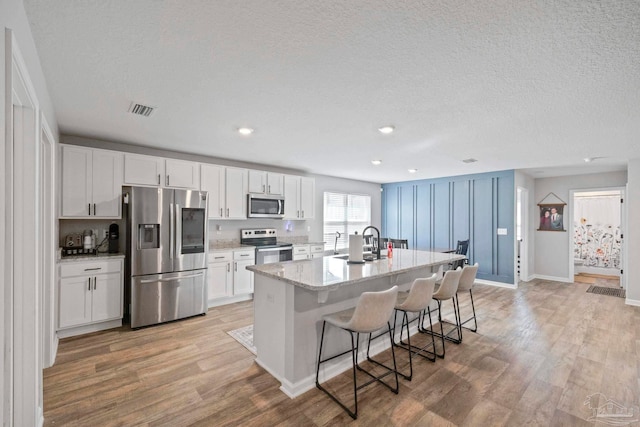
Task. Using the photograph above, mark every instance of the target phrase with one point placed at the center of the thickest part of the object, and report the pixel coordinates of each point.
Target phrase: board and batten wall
(553, 250)
(436, 213)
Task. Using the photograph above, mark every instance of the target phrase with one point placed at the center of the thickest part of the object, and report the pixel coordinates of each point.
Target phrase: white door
(76, 181)
(74, 301)
(242, 278)
(219, 280)
(212, 180)
(291, 193)
(236, 193)
(257, 182)
(106, 301)
(107, 183)
(182, 174)
(307, 198)
(275, 183)
(143, 170)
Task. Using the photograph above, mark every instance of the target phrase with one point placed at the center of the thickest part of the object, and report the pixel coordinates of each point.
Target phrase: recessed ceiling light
(245, 131)
(386, 129)
(413, 170)
(376, 162)
(470, 160)
(588, 159)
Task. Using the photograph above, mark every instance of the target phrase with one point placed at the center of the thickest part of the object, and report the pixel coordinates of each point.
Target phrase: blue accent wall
(436, 213)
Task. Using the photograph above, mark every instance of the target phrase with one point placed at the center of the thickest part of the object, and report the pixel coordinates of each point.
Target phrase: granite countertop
(99, 256)
(329, 272)
(224, 247)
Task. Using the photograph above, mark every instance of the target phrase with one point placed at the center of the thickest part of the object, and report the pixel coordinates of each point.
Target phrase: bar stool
(415, 301)
(370, 314)
(467, 280)
(446, 291)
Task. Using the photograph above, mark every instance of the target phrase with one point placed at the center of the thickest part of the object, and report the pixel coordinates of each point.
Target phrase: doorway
(522, 240)
(596, 236)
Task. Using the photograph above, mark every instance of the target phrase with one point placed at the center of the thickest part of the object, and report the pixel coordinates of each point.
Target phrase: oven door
(271, 255)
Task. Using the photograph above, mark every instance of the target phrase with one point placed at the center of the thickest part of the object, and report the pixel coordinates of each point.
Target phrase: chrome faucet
(335, 245)
(377, 246)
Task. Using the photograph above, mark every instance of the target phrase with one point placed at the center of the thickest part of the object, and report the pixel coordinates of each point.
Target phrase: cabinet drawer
(317, 249)
(297, 250)
(240, 255)
(219, 257)
(83, 268)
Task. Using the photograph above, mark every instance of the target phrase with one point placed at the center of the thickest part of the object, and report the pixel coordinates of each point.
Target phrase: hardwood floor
(539, 353)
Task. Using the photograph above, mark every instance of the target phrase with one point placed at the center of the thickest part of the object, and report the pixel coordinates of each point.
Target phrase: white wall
(552, 249)
(632, 233)
(13, 17)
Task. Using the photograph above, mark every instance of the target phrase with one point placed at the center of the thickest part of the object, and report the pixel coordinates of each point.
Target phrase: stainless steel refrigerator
(166, 254)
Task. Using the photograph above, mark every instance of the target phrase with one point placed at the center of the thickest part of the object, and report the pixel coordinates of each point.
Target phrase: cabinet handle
(94, 209)
(228, 267)
(95, 279)
(263, 190)
(269, 189)
(221, 213)
(245, 254)
(227, 212)
(298, 214)
(302, 214)
(89, 205)
(235, 266)
(89, 288)
(158, 179)
(167, 180)
(218, 257)
(93, 269)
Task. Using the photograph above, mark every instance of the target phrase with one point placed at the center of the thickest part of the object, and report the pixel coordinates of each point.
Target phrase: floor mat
(607, 291)
(245, 337)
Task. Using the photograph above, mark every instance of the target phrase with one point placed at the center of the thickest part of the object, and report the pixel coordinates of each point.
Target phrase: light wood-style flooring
(539, 353)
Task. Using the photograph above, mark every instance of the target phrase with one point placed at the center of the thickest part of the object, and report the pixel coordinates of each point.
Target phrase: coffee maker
(114, 236)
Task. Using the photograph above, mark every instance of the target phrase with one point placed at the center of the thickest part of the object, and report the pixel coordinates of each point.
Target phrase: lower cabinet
(300, 252)
(228, 279)
(317, 251)
(89, 296)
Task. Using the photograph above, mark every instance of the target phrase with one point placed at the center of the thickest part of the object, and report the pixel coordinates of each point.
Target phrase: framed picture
(551, 217)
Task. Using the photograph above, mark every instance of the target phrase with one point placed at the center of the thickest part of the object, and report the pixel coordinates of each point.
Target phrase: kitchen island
(290, 299)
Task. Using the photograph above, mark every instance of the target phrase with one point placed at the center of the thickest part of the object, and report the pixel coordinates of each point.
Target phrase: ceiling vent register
(141, 110)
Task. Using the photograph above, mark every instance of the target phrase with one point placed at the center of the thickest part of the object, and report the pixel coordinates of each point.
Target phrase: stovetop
(261, 237)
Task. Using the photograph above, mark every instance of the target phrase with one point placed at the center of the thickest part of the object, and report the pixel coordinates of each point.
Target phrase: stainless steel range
(268, 249)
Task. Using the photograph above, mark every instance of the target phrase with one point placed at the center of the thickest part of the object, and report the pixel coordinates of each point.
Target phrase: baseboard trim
(633, 302)
(85, 329)
(229, 300)
(497, 284)
(552, 278)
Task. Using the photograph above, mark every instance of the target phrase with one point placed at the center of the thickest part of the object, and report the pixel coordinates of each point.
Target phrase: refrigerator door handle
(178, 231)
(171, 231)
(172, 279)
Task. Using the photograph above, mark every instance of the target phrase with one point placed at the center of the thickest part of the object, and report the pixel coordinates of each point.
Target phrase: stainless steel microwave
(265, 206)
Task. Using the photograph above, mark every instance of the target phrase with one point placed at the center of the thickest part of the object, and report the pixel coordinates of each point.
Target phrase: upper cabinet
(91, 183)
(143, 170)
(227, 188)
(262, 182)
(299, 197)
(182, 174)
(156, 171)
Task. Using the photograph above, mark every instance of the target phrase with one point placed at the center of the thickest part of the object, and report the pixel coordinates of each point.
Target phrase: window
(346, 214)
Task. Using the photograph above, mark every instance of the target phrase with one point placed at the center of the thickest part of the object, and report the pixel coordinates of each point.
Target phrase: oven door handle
(278, 249)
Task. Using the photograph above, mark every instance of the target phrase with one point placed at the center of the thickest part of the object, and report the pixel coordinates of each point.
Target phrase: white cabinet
(227, 276)
(243, 278)
(182, 174)
(89, 293)
(236, 193)
(299, 197)
(143, 170)
(156, 171)
(262, 182)
(91, 183)
(317, 251)
(301, 252)
(219, 275)
(227, 188)
(212, 180)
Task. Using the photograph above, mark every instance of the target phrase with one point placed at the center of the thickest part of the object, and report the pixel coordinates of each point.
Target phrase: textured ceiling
(513, 84)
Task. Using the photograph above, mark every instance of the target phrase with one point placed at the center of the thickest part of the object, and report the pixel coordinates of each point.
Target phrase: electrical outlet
(105, 232)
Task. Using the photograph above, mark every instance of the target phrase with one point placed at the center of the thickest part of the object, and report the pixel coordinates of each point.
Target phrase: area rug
(614, 292)
(245, 337)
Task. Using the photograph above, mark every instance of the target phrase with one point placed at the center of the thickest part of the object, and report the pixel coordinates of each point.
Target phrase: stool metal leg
(475, 321)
